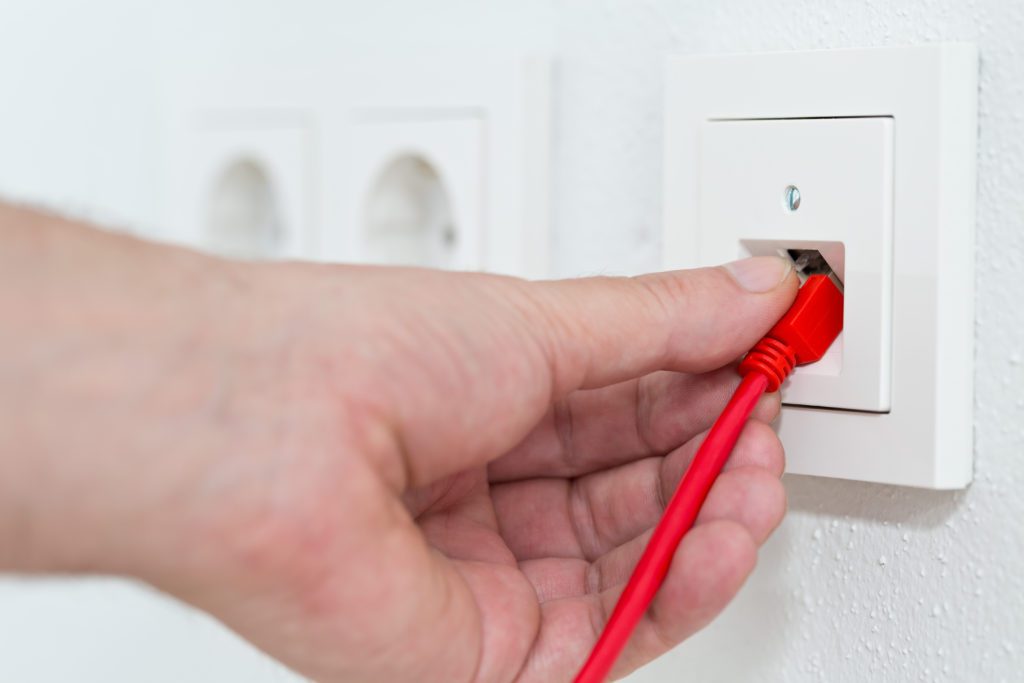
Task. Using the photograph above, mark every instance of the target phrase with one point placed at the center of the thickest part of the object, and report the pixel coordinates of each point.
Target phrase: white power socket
(478, 130)
(880, 144)
(242, 185)
(415, 191)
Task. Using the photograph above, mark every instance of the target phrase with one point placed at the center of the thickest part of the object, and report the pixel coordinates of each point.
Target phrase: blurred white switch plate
(842, 169)
(881, 145)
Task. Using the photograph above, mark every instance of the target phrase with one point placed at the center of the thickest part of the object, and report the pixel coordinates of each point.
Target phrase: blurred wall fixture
(242, 217)
(416, 193)
(240, 180)
(434, 159)
(408, 216)
(471, 129)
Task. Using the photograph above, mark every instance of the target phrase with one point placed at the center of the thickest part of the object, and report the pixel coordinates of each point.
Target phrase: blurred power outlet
(242, 185)
(447, 165)
(416, 191)
(440, 160)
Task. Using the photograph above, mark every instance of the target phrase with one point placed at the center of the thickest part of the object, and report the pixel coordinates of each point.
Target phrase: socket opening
(809, 257)
(242, 215)
(809, 262)
(408, 217)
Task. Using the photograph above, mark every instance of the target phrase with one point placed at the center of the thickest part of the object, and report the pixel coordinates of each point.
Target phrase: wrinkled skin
(378, 474)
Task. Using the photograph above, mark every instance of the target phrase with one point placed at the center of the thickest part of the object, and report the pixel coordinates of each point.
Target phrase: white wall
(862, 582)
(77, 107)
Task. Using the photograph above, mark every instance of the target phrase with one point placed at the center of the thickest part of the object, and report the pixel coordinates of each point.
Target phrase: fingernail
(760, 273)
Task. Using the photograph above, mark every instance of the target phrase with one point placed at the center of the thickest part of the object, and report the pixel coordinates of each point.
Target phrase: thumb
(522, 345)
(600, 331)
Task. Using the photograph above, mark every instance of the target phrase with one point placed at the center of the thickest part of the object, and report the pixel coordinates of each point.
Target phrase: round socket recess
(242, 216)
(408, 218)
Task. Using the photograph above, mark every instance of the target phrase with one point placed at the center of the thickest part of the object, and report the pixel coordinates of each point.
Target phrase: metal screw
(791, 198)
(448, 236)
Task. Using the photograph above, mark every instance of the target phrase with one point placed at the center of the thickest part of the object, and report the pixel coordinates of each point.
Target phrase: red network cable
(803, 335)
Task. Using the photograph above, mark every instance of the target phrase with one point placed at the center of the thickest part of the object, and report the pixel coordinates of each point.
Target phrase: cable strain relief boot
(771, 358)
(802, 335)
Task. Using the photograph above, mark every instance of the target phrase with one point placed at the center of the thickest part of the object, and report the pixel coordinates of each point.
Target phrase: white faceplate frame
(509, 94)
(926, 439)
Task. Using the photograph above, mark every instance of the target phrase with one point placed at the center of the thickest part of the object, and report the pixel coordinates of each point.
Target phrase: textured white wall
(862, 582)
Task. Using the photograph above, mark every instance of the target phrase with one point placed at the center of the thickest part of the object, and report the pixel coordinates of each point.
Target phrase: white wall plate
(842, 169)
(881, 143)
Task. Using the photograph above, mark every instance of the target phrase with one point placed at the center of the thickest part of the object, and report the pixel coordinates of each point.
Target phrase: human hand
(393, 474)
